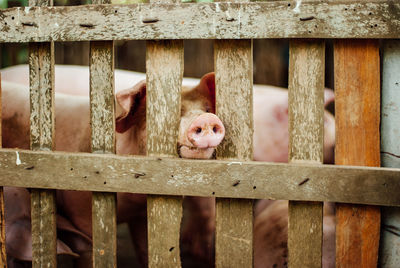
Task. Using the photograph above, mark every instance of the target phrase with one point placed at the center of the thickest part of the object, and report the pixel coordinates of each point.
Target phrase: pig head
(200, 130)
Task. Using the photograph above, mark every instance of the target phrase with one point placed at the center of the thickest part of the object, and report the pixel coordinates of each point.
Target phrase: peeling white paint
(18, 161)
(111, 167)
(296, 9)
(239, 22)
(27, 10)
(217, 8)
(234, 163)
(56, 24)
(228, 16)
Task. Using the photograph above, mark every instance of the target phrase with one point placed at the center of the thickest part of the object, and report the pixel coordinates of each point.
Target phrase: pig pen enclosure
(359, 28)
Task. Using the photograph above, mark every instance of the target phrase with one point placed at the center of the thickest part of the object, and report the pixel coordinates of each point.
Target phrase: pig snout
(206, 131)
(199, 136)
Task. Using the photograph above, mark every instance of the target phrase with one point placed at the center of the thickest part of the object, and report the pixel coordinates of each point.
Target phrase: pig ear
(128, 102)
(329, 96)
(207, 85)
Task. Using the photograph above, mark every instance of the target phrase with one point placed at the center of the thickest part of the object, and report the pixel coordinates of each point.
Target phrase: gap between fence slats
(104, 223)
(306, 139)
(164, 72)
(43, 206)
(233, 61)
(390, 149)
(3, 255)
(357, 107)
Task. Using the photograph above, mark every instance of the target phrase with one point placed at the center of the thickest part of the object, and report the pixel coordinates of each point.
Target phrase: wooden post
(233, 62)
(164, 72)
(306, 143)
(3, 255)
(357, 107)
(389, 255)
(43, 208)
(102, 118)
(104, 224)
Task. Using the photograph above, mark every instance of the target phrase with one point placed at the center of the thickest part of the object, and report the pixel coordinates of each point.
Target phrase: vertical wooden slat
(389, 254)
(357, 107)
(104, 224)
(102, 119)
(43, 208)
(306, 138)
(233, 62)
(164, 70)
(3, 255)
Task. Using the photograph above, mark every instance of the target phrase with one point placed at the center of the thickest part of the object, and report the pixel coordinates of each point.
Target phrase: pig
(201, 131)
(271, 234)
(270, 140)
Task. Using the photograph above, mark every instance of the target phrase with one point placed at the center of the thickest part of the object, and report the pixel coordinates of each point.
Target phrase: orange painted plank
(357, 106)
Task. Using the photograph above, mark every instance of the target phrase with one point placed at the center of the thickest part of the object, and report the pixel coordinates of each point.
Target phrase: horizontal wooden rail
(373, 19)
(167, 176)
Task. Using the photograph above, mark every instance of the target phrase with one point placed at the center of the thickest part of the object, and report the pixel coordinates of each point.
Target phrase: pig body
(271, 234)
(73, 134)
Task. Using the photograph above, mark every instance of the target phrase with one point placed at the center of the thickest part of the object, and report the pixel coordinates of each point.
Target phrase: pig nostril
(215, 129)
(198, 130)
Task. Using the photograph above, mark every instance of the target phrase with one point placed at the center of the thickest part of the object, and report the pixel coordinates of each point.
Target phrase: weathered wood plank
(233, 61)
(41, 68)
(357, 106)
(43, 208)
(389, 255)
(104, 223)
(306, 143)
(164, 71)
(258, 180)
(372, 19)
(3, 255)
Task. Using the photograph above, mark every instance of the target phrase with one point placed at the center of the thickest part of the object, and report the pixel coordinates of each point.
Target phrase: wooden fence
(304, 180)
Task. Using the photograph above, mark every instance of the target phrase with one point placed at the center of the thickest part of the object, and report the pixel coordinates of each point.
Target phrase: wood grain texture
(257, 180)
(102, 120)
(3, 255)
(372, 19)
(357, 106)
(43, 208)
(389, 252)
(233, 61)
(306, 143)
(164, 72)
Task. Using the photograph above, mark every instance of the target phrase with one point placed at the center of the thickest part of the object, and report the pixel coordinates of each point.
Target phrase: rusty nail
(28, 24)
(304, 181)
(307, 18)
(236, 183)
(150, 20)
(86, 25)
